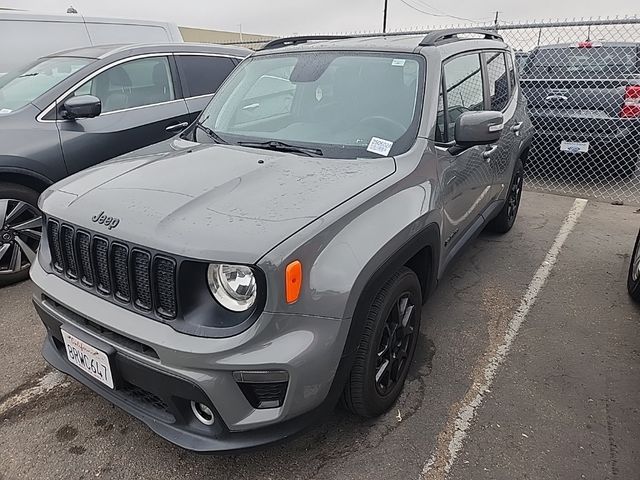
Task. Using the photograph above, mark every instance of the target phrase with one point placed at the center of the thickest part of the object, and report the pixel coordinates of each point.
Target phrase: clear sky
(282, 17)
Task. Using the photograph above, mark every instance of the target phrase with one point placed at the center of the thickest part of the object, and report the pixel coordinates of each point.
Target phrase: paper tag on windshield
(379, 146)
(398, 62)
(5, 110)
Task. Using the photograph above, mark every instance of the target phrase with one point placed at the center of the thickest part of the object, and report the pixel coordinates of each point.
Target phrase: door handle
(177, 126)
(488, 152)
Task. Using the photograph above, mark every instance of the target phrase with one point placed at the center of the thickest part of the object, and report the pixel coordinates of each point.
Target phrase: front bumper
(160, 371)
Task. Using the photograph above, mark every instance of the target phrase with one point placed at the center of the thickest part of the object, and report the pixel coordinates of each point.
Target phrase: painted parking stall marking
(445, 454)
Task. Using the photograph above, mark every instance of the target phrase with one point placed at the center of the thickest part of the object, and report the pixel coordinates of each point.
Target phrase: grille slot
(141, 263)
(83, 241)
(53, 236)
(164, 272)
(130, 275)
(101, 262)
(68, 253)
(120, 266)
(264, 395)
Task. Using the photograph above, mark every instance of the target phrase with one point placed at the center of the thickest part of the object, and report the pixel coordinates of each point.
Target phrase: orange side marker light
(293, 281)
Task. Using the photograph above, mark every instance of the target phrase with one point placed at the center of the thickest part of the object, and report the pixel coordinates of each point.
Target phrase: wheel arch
(24, 177)
(420, 248)
(421, 253)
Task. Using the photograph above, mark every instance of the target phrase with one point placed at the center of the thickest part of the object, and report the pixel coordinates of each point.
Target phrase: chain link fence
(582, 82)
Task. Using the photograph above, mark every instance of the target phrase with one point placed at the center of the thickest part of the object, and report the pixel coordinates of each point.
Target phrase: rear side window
(203, 75)
(463, 88)
(498, 80)
(584, 60)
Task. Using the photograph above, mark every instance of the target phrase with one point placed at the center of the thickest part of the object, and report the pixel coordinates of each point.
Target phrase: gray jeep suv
(230, 290)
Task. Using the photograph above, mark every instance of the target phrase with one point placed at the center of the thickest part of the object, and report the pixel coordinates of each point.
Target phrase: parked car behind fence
(68, 111)
(585, 104)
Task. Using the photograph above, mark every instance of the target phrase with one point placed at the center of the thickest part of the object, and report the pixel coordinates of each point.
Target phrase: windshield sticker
(5, 110)
(398, 62)
(318, 94)
(379, 146)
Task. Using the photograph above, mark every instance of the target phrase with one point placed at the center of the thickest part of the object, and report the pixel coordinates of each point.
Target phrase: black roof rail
(437, 36)
(289, 41)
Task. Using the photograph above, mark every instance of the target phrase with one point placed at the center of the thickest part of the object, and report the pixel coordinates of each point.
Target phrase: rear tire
(633, 280)
(18, 239)
(504, 221)
(387, 346)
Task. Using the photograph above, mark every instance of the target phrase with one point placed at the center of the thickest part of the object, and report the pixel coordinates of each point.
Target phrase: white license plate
(574, 147)
(88, 359)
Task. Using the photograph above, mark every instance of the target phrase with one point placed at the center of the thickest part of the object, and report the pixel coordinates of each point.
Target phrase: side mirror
(82, 106)
(478, 128)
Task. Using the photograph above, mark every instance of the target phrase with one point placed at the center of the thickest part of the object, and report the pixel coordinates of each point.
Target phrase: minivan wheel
(387, 346)
(507, 216)
(633, 281)
(20, 231)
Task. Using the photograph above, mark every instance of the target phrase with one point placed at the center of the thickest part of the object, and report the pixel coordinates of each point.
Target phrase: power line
(436, 14)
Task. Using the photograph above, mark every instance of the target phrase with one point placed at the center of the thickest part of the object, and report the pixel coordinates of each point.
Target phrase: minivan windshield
(336, 104)
(25, 84)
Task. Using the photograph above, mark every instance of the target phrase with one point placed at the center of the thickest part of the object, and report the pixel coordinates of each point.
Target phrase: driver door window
(146, 81)
(463, 88)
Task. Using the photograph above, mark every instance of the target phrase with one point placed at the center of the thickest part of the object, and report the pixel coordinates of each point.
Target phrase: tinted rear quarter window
(203, 75)
(498, 80)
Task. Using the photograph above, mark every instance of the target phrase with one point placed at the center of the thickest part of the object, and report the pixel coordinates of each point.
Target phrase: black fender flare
(33, 179)
(428, 237)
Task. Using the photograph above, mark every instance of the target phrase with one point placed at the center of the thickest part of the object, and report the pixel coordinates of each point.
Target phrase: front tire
(504, 221)
(20, 232)
(387, 346)
(633, 280)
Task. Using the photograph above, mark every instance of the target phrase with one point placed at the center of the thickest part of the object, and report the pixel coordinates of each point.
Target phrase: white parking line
(444, 456)
(47, 383)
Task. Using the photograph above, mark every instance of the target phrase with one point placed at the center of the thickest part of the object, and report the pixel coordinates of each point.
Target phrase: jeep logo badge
(102, 219)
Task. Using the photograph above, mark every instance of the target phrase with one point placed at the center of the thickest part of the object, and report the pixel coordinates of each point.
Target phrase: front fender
(340, 261)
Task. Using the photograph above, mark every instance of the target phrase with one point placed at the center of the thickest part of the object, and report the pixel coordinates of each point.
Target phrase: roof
(103, 51)
(384, 43)
(395, 43)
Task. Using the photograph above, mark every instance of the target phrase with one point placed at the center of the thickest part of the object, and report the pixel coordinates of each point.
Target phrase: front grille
(114, 270)
(120, 268)
(68, 255)
(164, 271)
(83, 240)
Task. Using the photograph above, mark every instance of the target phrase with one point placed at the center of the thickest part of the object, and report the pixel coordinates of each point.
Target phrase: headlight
(233, 286)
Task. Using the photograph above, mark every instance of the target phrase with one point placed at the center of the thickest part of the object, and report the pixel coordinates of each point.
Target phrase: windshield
(335, 102)
(24, 85)
(582, 62)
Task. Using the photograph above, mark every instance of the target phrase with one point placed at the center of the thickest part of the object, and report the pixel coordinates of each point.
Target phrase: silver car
(230, 286)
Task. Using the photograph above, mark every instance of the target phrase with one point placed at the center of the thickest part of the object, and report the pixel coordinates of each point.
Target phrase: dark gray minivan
(71, 110)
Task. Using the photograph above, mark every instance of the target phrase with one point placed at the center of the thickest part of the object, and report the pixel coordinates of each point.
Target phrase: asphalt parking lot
(528, 366)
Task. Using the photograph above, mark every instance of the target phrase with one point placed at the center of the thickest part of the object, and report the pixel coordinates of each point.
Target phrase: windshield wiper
(210, 133)
(283, 147)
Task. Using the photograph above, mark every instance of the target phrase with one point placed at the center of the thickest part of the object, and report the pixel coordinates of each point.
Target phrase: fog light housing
(263, 389)
(203, 413)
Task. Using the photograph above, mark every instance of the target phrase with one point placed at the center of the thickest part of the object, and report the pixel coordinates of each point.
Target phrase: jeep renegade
(274, 260)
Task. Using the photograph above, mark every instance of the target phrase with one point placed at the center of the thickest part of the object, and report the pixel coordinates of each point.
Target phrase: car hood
(211, 202)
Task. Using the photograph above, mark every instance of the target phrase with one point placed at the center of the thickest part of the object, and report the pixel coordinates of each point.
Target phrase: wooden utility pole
(384, 20)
